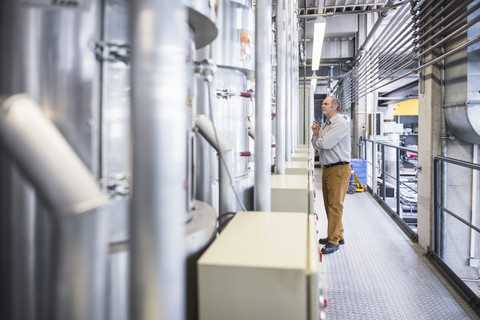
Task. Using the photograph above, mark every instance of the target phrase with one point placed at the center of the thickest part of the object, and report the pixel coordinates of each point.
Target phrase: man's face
(329, 110)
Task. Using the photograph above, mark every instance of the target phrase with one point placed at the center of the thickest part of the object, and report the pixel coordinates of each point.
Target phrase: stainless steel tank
(233, 52)
(48, 52)
(74, 59)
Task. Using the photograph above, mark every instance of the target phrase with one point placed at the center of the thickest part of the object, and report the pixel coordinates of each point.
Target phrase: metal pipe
(281, 88)
(419, 4)
(203, 153)
(438, 14)
(366, 69)
(263, 72)
(377, 24)
(445, 39)
(473, 250)
(391, 54)
(437, 234)
(72, 193)
(389, 82)
(440, 185)
(159, 129)
(447, 54)
(308, 119)
(225, 149)
(39, 147)
(316, 15)
(296, 97)
(251, 131)
(454, 13)
(80, 251)
(378, 81)
(426, 15)
(288, 89)
(391, 27)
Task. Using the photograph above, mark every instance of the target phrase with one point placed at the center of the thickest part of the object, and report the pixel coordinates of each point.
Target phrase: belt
(336, 164)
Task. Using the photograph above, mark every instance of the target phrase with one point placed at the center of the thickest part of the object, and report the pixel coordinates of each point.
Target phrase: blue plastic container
(359, 166)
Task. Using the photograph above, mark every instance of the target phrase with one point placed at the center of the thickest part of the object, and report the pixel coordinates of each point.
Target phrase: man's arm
(315, 130)
(335, 133)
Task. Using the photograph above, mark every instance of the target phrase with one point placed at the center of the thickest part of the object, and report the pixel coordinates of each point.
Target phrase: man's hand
(315, 128)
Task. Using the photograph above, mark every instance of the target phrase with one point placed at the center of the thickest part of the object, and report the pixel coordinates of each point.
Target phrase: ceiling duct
(462, 97)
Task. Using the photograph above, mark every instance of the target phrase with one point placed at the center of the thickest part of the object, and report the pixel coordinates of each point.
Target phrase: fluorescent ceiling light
(313, 82)
(318, 34)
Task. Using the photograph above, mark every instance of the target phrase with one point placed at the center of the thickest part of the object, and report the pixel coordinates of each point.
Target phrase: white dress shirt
(333, 141)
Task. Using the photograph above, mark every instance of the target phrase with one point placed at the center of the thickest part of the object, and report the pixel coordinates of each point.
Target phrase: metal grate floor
(379, 273)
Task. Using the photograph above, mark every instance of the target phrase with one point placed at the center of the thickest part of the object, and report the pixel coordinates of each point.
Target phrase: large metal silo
(232, 103)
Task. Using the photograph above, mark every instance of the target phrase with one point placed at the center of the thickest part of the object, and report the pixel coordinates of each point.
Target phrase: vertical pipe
(205, 157)
(311, 117)
(474, 201)
(296, 96)
(281, 79)
(227, 200)
(226, 160)
(330, 81)
(374, 145)
(308, 117)
(80, 251)
(436, 209)
(441, 186)
(294, 105)
(384, 176)
(159, 128)
(288, 84)
(397, 179)
(263, 72)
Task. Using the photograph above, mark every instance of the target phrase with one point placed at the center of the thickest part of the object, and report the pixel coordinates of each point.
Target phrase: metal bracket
(117, 185)
(113, 52)
(206, 69)
(225, 93)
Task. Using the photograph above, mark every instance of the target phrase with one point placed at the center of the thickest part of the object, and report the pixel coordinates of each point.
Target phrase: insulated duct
(462, 97)
(67, 187)
(47, 159)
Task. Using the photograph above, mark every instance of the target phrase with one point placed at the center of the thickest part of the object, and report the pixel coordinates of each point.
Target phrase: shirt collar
(332, 119)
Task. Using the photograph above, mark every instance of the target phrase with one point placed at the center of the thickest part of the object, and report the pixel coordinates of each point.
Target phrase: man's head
(331, 106)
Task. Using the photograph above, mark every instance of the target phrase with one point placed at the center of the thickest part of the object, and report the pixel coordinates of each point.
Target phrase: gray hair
(337, 102)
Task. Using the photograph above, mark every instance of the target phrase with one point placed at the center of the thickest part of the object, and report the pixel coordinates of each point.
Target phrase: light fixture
(318, 35)
(313, 82)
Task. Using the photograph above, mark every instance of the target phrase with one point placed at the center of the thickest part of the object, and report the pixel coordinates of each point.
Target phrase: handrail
(436, 254)
(395, 214)
(393, 146)
(438, 208)
(461, 163)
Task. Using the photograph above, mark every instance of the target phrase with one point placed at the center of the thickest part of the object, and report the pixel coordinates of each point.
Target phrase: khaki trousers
(335, 182)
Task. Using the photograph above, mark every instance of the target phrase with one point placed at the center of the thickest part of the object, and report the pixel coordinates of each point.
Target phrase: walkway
(379, 273)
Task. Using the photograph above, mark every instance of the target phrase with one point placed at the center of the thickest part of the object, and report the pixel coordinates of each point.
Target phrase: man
(332, 141)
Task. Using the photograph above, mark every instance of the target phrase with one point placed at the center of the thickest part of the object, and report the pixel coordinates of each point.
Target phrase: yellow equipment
(355, 185)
